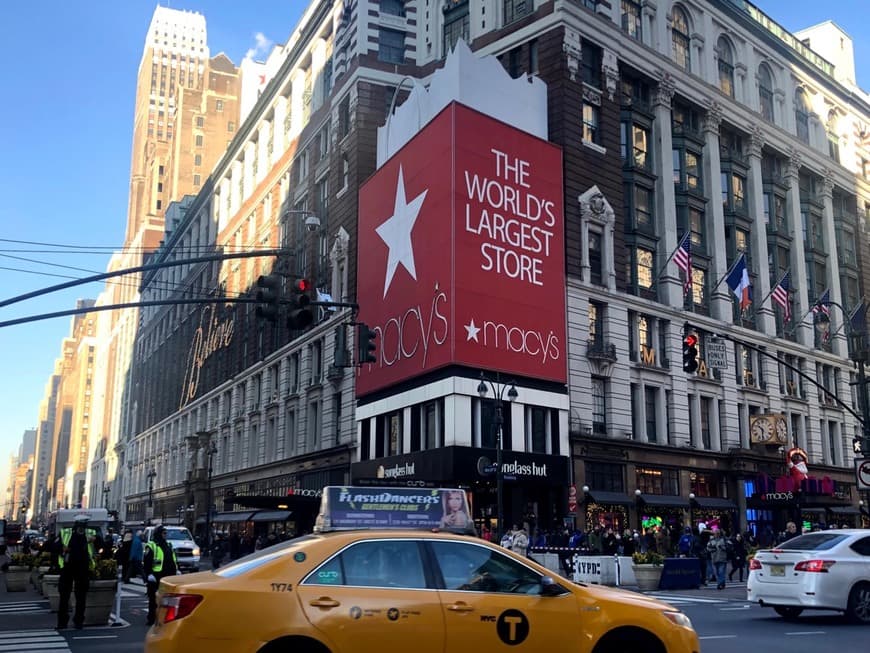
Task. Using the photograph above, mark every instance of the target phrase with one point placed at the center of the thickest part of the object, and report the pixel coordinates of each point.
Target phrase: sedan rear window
(813, 542)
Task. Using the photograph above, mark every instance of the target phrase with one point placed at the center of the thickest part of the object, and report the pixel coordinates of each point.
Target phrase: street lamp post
(212, 449)
(152, 474)
(498, 392)
(692, 510)
(637, 495)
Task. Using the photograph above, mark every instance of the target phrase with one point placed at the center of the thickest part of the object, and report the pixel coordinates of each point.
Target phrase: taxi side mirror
(549, 587)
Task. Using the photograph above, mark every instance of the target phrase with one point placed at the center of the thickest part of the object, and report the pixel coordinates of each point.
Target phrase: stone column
(743, 426)
(804, 330)
(695, 424)
(715, 427)
(832, 270)
(670, 287)
(764, 314)
(720, 301)
(640, 413)
(740, 82)
(696, 46)
(648, 33)
(662, 416)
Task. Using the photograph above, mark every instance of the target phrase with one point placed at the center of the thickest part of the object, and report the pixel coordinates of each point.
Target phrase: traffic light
(690, 352)
(268, 293)
(301, 315)
(365, 344)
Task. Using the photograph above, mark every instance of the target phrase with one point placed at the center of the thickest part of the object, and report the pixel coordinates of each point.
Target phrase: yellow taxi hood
(627, 597)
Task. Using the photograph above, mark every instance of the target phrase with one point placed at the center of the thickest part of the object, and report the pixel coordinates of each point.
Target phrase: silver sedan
(826, 570)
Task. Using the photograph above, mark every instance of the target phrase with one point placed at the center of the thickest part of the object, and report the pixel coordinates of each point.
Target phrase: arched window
(680, 38)
(726, 66)
(765, 92)
(833, 136)
(802, 115)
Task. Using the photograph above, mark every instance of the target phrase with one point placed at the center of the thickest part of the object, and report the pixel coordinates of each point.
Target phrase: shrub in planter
(648, 558)
(105, 570)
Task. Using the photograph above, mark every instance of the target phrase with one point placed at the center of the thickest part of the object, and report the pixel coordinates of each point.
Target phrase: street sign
(862, 473)
(715, 354)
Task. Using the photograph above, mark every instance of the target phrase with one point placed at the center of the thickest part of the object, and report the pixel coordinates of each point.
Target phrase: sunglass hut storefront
(535, 486)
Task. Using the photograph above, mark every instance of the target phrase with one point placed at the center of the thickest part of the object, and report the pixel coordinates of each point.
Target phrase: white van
(186, 550)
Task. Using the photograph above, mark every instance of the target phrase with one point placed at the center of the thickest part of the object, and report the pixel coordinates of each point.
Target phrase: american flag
(780, 296)
(821, 305)
(683, 259)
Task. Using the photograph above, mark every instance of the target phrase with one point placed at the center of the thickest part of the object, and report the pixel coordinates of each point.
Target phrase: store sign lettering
(210, 336)
(777, 496)
(532, 469)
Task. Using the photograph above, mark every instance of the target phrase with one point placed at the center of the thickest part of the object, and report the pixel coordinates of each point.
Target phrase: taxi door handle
(324, 602)
(460, 607)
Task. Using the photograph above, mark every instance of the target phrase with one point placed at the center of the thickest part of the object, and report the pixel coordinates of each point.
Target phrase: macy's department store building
(462, 231)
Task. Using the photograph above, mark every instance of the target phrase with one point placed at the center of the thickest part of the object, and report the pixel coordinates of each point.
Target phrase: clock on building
(768, 429)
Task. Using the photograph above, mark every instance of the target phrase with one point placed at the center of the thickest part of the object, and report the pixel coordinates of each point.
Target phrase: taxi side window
(381, 563)
(472, 568)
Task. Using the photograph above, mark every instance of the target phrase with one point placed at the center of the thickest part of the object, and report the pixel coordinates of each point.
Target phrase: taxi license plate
(777, 570)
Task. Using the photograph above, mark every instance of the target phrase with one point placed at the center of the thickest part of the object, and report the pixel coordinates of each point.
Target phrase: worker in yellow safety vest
(76, 561)
(159, 561)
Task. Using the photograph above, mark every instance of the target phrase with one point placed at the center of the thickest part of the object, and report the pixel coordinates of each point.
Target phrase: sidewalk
(27, 610)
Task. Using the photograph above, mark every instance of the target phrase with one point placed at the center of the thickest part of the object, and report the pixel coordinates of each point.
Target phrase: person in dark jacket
(122, 555)
(75, 559)
(738, 556)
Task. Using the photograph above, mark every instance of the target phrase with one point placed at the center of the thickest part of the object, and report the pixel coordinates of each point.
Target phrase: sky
(68, 85)
(68, 81)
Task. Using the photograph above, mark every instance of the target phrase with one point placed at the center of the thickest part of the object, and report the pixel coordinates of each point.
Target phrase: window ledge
(342, 191)
(595, 147)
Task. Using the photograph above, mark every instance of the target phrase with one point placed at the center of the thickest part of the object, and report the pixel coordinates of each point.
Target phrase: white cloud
(261, 46)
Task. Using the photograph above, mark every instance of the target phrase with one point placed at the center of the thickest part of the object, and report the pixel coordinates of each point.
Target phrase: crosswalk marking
(30, 607)
(33, 640)
(673, 598)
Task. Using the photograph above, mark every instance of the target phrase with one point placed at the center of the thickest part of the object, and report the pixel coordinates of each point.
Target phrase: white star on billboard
(472, 330)
(396, 232)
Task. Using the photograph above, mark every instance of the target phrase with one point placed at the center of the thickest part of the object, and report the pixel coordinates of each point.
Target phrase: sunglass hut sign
(461, 252)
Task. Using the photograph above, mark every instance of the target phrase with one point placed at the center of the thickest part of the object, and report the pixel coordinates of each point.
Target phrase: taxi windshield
(261, 557)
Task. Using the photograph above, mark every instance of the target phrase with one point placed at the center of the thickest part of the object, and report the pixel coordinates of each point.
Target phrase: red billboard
(461, 253)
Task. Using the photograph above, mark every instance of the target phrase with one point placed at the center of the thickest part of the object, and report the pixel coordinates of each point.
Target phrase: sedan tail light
(814, 566)
(178, 606)
(754, 564)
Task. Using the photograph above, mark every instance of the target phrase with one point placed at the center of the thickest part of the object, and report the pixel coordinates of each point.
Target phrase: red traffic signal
(302, 285)
(691, 340)
(690, 353)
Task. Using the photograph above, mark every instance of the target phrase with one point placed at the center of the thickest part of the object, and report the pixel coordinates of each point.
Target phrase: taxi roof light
(178, 606)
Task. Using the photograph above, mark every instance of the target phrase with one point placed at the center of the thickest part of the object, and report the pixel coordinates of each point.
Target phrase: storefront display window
(658, 481)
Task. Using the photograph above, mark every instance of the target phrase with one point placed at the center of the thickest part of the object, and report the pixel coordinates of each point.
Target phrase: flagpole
(770, 292)
(670, 258)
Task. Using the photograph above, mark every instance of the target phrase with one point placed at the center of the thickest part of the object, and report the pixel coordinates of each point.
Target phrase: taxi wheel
(629, 639)
(294, 644)
(859, 604)
(787, 611)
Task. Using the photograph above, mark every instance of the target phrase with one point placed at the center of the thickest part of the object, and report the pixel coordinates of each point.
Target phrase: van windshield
(178, 534)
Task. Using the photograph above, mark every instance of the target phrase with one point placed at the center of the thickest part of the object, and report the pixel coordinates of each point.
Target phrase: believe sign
(715, 354)
(461, 253)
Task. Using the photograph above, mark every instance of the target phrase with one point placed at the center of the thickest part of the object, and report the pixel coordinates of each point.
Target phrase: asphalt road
(724, 620)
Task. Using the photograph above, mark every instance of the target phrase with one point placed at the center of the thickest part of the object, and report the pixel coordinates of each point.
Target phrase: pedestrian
(738, 556)
(235, 545)
(76, 560)
(123, 556)
(159, 561)
(790, 533)
(137, 552)
(717, 548)
(519, 541)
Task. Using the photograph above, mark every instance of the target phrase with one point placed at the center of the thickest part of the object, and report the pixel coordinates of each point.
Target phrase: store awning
(844, 510)
(665, 501)
(715, 503)
(608, 498)
(229, 517)
(812, 511)
(271, 515)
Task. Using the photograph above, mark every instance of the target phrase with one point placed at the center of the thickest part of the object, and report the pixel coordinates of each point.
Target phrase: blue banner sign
(344, 508)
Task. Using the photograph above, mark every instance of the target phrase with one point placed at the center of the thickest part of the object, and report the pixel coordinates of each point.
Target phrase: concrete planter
(50, 591)
(16, 579)
(99, 602)
(647, 576)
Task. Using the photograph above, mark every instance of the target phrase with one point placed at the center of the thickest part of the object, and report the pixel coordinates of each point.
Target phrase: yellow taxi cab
(350, 587)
